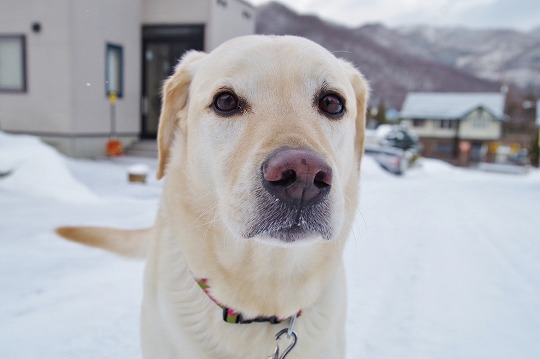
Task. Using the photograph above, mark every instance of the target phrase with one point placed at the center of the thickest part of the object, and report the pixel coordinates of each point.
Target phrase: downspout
(456, 140)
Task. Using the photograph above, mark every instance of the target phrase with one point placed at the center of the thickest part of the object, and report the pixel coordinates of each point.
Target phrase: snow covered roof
(451, 106)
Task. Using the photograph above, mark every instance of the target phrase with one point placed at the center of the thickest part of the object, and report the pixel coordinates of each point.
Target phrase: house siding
(46, 104)
(441, 148)
(480, 125)
(229, 19)
(173, 12)
(95, 24)
(65, 101)
(430, 128)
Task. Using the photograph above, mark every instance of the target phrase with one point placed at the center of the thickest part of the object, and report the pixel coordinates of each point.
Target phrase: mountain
(535, 32)
(498, 55)
(396, 61)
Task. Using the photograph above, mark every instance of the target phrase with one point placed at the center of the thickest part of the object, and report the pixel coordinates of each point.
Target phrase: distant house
(455, 127)
(60, 60)
(538, 113)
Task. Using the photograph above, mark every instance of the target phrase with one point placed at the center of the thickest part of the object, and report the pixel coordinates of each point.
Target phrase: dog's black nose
(297, 176)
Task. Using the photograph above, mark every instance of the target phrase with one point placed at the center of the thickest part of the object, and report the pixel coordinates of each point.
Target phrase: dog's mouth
(290, 223)
(292, 234)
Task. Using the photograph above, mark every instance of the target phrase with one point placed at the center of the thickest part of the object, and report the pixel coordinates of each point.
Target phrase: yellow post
(114, 146)
(113, 98)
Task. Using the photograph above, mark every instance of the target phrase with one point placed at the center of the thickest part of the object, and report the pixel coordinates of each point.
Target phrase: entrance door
(163, 46)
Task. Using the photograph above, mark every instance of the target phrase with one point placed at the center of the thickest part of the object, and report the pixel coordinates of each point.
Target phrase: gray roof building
(451, 106)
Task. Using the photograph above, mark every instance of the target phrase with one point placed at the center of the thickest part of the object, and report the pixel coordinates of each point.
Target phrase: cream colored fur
(211, 166)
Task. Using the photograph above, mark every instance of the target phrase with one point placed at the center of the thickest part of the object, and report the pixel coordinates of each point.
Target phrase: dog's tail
(126, 243)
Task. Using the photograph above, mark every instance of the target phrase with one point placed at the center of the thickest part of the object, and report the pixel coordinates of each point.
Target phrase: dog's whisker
(206, 224)
(206, 211)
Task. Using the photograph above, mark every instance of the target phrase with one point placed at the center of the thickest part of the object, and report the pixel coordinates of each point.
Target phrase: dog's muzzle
(293, 198)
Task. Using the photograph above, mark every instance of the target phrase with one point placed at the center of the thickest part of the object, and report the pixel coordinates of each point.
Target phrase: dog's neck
(257, 279)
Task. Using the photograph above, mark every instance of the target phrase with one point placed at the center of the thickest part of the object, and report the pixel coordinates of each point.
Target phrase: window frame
(118, 49)
(447, 124)
(24, 69)
(419, 122)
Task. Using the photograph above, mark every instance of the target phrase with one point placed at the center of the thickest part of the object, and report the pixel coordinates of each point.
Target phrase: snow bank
(430, 166)
(30, 167)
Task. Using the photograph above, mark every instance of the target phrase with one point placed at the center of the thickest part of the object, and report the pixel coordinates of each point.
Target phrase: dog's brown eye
(332, 105)
(226, 103)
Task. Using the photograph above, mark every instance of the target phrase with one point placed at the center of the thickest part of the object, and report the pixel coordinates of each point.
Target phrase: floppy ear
(361, 90)
(174, 106)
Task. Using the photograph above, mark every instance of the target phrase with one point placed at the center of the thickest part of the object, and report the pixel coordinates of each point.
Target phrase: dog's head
(264, 135)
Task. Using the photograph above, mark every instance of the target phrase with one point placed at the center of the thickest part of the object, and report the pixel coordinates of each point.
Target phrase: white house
(61, 59)
(450, 124)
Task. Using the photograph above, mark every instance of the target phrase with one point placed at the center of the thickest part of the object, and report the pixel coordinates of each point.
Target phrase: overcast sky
(516, 14)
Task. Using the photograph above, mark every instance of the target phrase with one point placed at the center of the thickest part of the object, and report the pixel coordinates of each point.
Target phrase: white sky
(517, 14)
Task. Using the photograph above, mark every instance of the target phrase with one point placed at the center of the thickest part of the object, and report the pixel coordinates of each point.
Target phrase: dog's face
(265, 136)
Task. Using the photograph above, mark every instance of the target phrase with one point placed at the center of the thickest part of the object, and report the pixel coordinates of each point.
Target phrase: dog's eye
(331, 105)
(226, 103)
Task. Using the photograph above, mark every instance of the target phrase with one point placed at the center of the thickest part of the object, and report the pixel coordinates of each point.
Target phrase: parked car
(394, 160)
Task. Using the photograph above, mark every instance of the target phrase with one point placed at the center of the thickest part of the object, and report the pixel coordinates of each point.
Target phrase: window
(114, 65)
(447, 124)
(480, 118)
(12, 63)
(417, 122)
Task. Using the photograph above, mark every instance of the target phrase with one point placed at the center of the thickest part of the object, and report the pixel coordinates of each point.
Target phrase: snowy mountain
(397, 61)
(535, 32)
(499, 55)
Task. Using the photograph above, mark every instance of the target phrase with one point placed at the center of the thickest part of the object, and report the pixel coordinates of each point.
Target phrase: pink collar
(234, 317)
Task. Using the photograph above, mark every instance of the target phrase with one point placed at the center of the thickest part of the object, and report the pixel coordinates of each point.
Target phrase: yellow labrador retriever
(260, 143)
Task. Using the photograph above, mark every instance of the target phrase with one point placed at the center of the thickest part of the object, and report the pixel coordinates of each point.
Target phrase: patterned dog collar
(234, 317)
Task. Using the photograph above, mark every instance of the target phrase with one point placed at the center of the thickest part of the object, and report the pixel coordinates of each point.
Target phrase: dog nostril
(288, 177)
(321, 180)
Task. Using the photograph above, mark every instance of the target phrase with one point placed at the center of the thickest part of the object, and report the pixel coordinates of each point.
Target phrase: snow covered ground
(443, 262)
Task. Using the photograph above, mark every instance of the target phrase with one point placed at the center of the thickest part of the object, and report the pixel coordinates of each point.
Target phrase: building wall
(228, 19)
(46, 105)
(65, 102)
(431, 128)
(168, 12)
(441, 148)
(477, 129)
(66, 98)
(223, 19)
(480, 125)
(94, 24)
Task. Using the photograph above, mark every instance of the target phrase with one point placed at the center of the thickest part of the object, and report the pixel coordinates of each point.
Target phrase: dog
(260, 143)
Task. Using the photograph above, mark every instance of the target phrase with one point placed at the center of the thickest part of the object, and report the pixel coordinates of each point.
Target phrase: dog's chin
(289, 235)
(292, 236)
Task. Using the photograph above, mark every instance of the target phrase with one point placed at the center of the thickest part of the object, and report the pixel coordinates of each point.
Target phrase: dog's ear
(361, 90)
(174, 105)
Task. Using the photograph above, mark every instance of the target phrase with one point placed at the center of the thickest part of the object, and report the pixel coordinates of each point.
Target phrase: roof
(451, 106)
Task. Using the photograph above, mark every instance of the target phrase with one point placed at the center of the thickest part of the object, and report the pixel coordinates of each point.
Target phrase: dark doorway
(162, 47)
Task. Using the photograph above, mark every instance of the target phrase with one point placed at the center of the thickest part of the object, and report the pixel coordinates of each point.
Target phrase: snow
(442, 263)
(38, 170)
